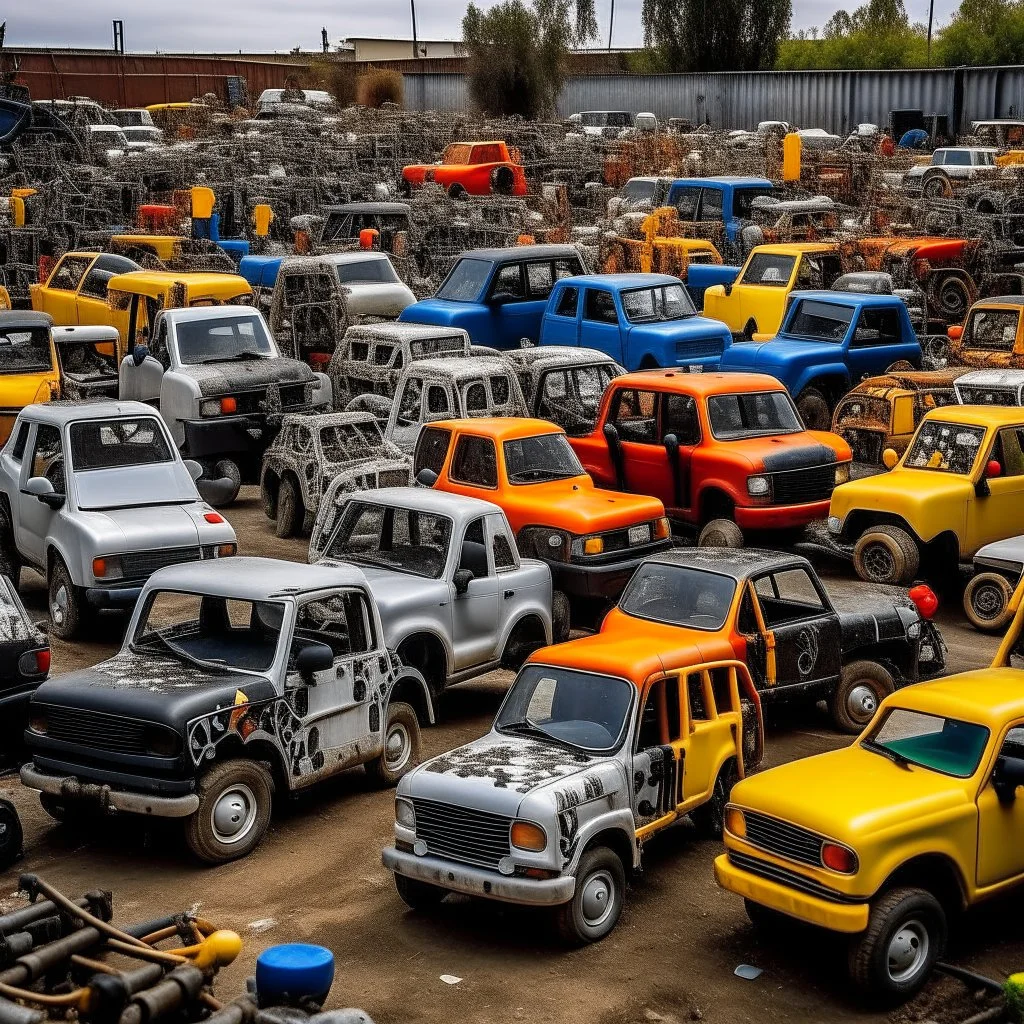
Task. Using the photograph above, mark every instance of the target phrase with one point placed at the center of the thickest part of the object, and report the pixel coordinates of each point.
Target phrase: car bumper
(837, 917)
(113, 597)
(225, 435)
(105, 798)
(546, 892)
(604, 579)
(780, 517)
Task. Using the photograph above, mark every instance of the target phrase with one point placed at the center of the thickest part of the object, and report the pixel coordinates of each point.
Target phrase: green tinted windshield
(944, 745)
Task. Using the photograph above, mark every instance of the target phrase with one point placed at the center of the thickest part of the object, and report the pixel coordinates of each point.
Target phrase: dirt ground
(318, 877)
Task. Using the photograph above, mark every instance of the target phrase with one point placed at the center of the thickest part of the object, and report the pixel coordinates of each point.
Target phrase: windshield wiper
(528, 728)
(894, 755)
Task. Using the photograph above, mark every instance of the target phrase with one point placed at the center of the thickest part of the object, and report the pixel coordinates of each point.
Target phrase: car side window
(711, 204)
(788, 596)
(106, 267)
(685, 201)
(69, 274)
(412, 398)
(158, 349)
(1010, 448)
(877, 327)
(501, 549)
(18, 451)
(680, 418)
(568, 302)
(432, 449)
(1013, 745)
(570, 266)
(660, 721)
(746, 623)
(599, 307)
(474, 551)
(475, 398)
(438, 402)
(475, 462)
(634, 416)
(341, 621)
(48, 456)
(508, 283)
(695, 697)
(540, 279)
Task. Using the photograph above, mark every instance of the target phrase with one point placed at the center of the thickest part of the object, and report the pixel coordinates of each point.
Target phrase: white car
(371, 286)
(952, 164)
(107, 142)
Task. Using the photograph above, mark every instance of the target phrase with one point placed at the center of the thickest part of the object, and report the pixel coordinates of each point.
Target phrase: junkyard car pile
(398, 330)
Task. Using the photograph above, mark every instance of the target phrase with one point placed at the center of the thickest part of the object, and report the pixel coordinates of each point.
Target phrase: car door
(60, 293)
(505, 561)
(797, 630)
(658, 757)
(511, 308)
(407, 413)
(34, 518)
(1001, 822)
(875, 335)
(92, 292)
(561, 323)
(997, 514)
(476, 612)
(642, 460)
(703, 734)
(599, 327)
(679, 419)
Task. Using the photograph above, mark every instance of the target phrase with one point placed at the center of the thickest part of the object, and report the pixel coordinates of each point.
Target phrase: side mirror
(727, 289)
(611, 433)
(671, 443)
(890, 458)
(500, 298)
(426, 477)
(312, 659)
(139, 354)
(194, 469)
(1006, 777)
(955, 333)
(462, 580)
(41, 488)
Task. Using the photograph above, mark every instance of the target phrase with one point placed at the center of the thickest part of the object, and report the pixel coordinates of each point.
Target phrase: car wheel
(234, 811)
(290, 511)
(906, 934)
(596, 904)
(937, 186)
(813, 408)
(401, 746)
(65, 602)
(10, 563)
(953, 298)
(987, 602)
(12, 839)
(456, 191)
(886, 554)
(560, 617)
(417, 895)
(65, 813)
(710, 816)
(268, 497)
(228, 469)
(863, 685)
(720, 533)
(503, 181)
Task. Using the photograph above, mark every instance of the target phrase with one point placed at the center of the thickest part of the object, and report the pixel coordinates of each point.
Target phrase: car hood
(779, 352)
(908, 490)
(21, 389)
(1009, 552)
(439, 312)
(779, 453)
(385, 299)
(154, 526)
(244, 375)
(132, 489)
(153, 688)
(577, 506)
(682, 330)
(881, 615)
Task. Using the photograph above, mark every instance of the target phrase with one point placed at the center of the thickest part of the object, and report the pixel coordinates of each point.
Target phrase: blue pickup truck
(829, 342)
(725, 199)
(498, 296)
(641, 320)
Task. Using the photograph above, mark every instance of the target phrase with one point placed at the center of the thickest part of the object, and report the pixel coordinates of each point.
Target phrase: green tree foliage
(518, 54)
(715, 35)
(983, 32)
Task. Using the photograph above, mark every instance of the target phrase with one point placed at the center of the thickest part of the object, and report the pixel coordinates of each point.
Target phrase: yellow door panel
(1001, 824)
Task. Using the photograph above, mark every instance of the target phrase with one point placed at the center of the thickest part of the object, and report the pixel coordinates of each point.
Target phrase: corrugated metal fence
(835, 100)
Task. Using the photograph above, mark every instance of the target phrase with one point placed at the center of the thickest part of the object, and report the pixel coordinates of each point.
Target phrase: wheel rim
(862, 702)
(234, 814)
(878, 562)
(60, 604)
(908, 951)
(397, 747)
(597, 899)
(987, 601)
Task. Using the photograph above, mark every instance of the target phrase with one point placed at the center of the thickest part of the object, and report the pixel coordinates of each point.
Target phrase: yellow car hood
(902, 491)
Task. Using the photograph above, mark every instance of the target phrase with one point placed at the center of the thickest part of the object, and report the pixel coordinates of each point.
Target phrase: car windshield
(584, 710)
(743, 200)
(945, 447)
(820, 321)
(223, 339)
(668, 302)
(530, 460)
(399, 539)
(769, 269)
(611, 118)
(466, 281)
(977, 395)
(752, 414)
(217, 633)
(347, 442)
(117, 444)
(945, 745)
(374, 271)
(25, 349)
(864, 411)
(679, 595)
(994, 329)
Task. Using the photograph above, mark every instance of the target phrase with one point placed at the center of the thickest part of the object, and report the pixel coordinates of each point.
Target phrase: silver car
(96, 498)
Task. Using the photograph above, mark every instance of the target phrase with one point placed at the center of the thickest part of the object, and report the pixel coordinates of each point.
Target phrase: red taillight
(838, 858)
(228, 406)
(924, 598)
(43, 660)
(213, 517)
(319, 358)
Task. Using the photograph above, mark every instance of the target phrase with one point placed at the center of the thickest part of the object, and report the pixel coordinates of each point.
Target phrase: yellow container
(262, 217)
(791, 157)
(203, 201)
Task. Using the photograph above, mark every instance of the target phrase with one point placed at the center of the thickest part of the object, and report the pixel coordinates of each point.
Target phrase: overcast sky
(256, 25)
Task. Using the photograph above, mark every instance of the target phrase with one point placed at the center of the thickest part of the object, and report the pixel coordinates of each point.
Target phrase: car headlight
(218, 407)
(735, 823)
(525, 835)
(405, 813)
(108, 567)
(842, 473)
(758, 486)
(835, 524)
(839, 858)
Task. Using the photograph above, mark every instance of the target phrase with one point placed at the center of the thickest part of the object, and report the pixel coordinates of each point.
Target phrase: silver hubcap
(397, 747)
(908, 951)
(234, 814)
(862, 702)
(988, 602)
(59, 605)
(598, 898)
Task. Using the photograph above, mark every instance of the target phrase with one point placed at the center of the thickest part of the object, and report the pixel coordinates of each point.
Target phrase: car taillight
(925, 599)
(34, 663)
(226, 550)
(838, 858)
(228, 406)
(213, 517)
(662, 528)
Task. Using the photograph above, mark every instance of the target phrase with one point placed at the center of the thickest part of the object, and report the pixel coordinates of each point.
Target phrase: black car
(24, 664)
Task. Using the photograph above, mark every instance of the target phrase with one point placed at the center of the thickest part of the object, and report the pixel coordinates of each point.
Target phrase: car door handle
(509, 593)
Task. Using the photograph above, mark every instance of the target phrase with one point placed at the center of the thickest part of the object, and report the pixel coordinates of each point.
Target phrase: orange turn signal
(228, 406)
(662, 528)
(527, 836)
(735, 823)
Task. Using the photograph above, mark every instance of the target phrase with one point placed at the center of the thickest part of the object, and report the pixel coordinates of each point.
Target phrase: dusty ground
(318, 877)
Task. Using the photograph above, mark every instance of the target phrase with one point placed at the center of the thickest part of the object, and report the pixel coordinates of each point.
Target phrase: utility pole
(415, 45)
(611, 25)
(931, 15)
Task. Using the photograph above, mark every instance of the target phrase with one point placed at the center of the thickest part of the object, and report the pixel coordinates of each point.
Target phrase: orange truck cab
(471, 168)
(591, 539)
(724, 452)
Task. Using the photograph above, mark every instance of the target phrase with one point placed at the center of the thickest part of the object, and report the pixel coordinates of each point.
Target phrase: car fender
(75, 562)
(725, 486)
(819, 371)
(410, 674)
(620, 820)
(179, 391)
(397, 634)
(532, 599)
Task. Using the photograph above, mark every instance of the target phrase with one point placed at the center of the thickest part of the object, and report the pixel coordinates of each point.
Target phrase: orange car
(471, 168)
(591, 539)
(724, 452)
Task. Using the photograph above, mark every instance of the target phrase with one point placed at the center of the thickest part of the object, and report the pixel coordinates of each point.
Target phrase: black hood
(799, 458)
(249, 374)
(875, 619)
(152, 688)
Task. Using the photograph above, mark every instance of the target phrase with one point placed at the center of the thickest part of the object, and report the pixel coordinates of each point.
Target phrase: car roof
(317, 421)
(562, 355)
(989, 696)
(795, 248)
(61, 413)
(1000, 300)
(521, 252)
(255, 579)
(355, 256)
(701, 383)
(619, 282)
(192, 280)
(849, 298)
(11, 319)
(426, 499)
(737, 563)
(460, 367)
(501, 428)
(725, 179)
(88, 334)
(185, 315)
(393, 330)
(979, 415)
(1011, 378)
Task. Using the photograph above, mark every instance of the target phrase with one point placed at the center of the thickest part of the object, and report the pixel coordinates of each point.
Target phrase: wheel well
(945, 546)
(425, 652)
(715, 504)
(617, 841)
(889, 656)
(649, 362)
(262, 751)
(527, 628)
(408, 691)
(861, 520)
(936, 873)
(833, 388)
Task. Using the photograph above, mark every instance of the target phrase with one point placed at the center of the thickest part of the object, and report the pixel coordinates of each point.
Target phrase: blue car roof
(849, 298)
(520, 252)
(620, 282)
(725, 179)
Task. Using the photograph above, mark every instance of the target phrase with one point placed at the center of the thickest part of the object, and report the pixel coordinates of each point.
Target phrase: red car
(471, 168)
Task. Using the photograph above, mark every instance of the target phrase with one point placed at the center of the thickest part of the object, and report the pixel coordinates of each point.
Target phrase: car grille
(142, 564)
(799, 486)
(94, 729)
(618, 540)
(791, 879)
(293, 396)
(457, 833)
(705, 348)
(783, 839)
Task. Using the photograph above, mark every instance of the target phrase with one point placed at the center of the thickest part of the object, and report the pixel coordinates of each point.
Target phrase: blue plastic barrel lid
(296, 968)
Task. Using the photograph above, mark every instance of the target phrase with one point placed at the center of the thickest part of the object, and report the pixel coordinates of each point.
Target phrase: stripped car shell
(990, 387)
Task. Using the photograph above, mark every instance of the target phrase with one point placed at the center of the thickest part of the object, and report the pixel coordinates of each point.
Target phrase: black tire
(65, 813)
(953, 299)
(268, 496)
(12, 838)
(813, 408)
(65, 602)
(987, 602)
(228, 469)
(10, 563)
(900, 366)
(863, 685)
(291, 513)
(560, 617)
(906, 926)
(597, 902)
(503, 181)
(886, 554)
(519, 646)
(234, 811)
(936, 186)
(456, 191)
(417, 895)
(720, 533)
(749, 330)
(710, 816)
(401, 746)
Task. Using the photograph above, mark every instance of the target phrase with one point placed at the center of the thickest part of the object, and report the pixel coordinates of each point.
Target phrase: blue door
(599, 326)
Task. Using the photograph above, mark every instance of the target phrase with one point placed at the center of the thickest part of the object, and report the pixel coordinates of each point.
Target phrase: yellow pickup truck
(888, 840)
